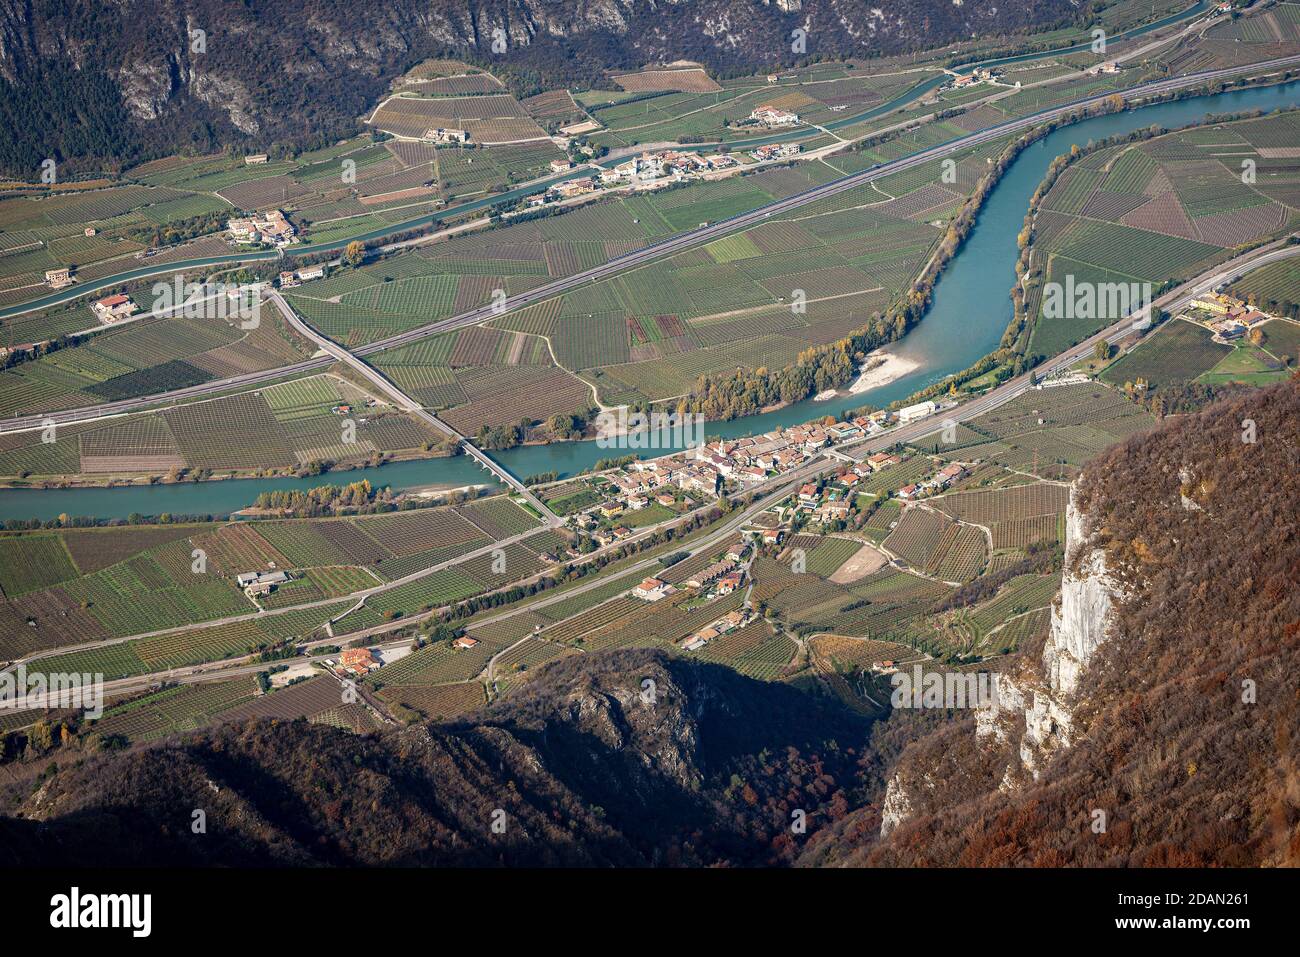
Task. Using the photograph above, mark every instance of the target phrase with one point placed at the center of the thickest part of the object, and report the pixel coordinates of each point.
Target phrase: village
(655, 170)
(615, 502)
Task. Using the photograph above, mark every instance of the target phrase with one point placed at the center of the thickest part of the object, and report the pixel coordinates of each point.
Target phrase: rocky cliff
(1157, 724)
(108, 81)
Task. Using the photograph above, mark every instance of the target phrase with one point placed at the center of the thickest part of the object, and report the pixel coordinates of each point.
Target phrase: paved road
(766, 494)
(542, 183)
(647, 254)
(388, 387)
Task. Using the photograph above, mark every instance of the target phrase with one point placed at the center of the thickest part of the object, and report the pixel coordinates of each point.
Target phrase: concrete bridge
(413, 408)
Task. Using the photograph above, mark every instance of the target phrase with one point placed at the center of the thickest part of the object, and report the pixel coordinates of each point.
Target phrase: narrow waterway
(971, 308)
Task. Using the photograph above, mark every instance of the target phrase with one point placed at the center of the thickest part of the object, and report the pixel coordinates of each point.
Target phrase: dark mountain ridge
(93, 83)
(577, 769)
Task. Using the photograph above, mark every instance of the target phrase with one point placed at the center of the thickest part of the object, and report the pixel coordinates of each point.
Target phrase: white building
(914, 412)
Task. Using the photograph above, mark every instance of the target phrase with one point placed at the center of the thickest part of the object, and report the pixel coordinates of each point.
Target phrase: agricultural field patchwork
(1157, 210)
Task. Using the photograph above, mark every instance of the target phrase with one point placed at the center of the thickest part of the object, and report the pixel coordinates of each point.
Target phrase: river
(970, 311)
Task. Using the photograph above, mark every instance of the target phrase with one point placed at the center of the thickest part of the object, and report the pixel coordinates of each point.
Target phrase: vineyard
(1162, 209)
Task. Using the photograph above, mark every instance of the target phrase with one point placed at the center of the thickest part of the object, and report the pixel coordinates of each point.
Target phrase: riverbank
(969, 313)
(83, 480)
(880, 369)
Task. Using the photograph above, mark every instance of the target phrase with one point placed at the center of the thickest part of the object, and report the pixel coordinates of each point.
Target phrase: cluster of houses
(935, 483)
(769, 115)
(728, 623)
(961, 81)
(774, 151)
(647, 170)
(114, 308)
(270, 227)
(664, 164)
(1226, 316)
(289, 279)
(830, 502)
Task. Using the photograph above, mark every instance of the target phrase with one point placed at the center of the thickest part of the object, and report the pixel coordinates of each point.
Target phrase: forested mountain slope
(1158, 725)
(94, 82)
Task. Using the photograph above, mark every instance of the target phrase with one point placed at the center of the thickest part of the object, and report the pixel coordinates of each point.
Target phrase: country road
(410, 406)
(775, 488)
(647, 254)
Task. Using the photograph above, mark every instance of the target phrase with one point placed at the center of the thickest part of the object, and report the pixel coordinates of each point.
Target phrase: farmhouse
(464, 641)
(559, 166)
(358, 661)
(271, 227)
(652, 589)
(949, 474)
(113, 308)
(833, 511)
(769, 115)
(58, 278)
(256, 159)
(730, 582)
(308, 273)
(255, 584)
(445, 135)
(699, 639)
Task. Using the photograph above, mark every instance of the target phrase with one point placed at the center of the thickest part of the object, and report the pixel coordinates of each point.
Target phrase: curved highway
(426, 219)
(664, 247)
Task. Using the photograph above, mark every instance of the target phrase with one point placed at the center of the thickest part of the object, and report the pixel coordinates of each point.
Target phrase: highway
(657, 250)
(765, 494)
(388, 387)
(543, 183)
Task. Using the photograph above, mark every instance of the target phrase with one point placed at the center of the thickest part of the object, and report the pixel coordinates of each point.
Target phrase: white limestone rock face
(1082, 617)
(1035, 702)
(896, 808)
